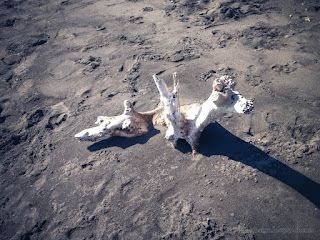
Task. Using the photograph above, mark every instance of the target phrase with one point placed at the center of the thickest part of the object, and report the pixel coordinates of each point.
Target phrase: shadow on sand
(123, 142)
(216, 140)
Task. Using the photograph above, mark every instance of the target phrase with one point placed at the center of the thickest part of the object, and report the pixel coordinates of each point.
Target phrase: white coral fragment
(183, 122)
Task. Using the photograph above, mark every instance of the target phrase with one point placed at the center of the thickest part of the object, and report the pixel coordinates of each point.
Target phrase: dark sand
(63, 63)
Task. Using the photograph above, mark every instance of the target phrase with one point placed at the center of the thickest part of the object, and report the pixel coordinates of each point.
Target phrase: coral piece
(183, 122)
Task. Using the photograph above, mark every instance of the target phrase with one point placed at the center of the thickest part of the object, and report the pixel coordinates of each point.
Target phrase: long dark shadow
(123, 142)
(216, 140)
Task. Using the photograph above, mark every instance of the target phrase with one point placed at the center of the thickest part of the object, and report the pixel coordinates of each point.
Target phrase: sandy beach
(66, 62)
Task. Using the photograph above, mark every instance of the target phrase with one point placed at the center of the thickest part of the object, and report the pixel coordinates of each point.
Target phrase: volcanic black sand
(63, 63)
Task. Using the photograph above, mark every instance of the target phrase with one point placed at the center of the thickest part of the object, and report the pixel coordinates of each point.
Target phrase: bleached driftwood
(183, 122)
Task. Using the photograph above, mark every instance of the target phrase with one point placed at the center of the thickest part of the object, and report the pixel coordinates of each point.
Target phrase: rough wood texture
(183, 122)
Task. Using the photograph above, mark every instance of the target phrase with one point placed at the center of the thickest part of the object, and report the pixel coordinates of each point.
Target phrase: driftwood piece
(183, 122)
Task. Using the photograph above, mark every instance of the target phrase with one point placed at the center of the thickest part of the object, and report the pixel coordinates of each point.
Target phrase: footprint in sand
(58, 115)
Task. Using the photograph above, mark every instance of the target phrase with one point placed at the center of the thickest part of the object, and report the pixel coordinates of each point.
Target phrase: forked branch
(183, 122)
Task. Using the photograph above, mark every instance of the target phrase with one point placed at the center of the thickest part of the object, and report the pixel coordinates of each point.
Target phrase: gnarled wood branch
(183, 122)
